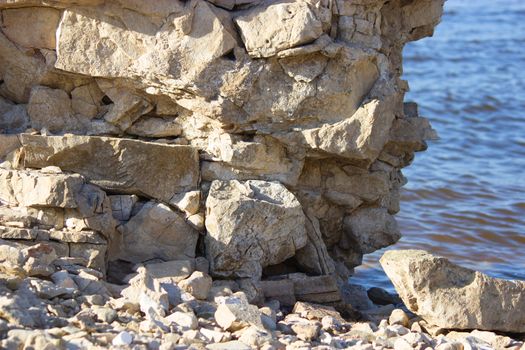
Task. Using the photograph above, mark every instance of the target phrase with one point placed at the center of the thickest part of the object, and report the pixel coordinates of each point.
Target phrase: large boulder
(451, 296)
(251, 224)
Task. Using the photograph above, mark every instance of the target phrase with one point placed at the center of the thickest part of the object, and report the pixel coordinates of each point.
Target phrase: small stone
(450, 346)
(185, 320)
(398, 330)
(122, 339)
(147, 292)
(234, 313)
(191, 337)
(330, 323)
(416, 338)
(214, 336)
(268, 318)
(197, 222)
(313, 311)
(399, 317)
(48, 290)
(95, 299)
(187, 202)
(230, 345)
(198, 285)
(62, 279)
(254, 336)
(306, 330)
(105, 314)
(402, 344)
(366, 327)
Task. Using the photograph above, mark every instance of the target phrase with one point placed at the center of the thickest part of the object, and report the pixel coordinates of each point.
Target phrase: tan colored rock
(95, 254)
(371, 229)
(196, 36)
(398, 316)
(155, 127)
(148, 293)
(360, 137)
(8, 143)
(156, 231)
(34, 260)
(50, 109)
(269, 231)
(316, 289)
(307, 93)
(127, 106)
(198, 285)
(315, 311)
(170, 271)
(13, 118)
(188, 202)
(31, 27)
(266, 30)
(122, 205)
(435, 289)
(86, 100)
(33, 188)
(146, 168)
(234, 313)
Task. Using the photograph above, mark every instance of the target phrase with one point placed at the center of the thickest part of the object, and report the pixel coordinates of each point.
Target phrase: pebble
(398, 317)
(185, 320)
(198, 285)
(123, 338)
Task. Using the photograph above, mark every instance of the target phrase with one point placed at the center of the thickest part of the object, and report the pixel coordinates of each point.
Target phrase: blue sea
(465, 199)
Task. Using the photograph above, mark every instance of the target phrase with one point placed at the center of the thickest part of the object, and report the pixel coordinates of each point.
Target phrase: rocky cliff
(267, 137)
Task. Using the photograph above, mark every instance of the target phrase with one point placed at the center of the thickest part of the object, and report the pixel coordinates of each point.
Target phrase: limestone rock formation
(451, 296)
(268, 136)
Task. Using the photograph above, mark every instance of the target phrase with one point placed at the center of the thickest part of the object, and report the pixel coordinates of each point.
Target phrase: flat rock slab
(451, 296)
(152, 169)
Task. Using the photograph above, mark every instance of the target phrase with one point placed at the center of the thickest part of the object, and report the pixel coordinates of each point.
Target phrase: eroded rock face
(276, 130)
(451, 296)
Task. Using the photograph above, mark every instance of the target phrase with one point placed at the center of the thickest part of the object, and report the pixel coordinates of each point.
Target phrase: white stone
(122, 339)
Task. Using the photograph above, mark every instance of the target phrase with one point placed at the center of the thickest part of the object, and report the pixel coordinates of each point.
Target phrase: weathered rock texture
(454, 297)
(267, 136)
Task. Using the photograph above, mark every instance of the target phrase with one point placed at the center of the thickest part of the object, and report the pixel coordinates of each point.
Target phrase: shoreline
(205, 314)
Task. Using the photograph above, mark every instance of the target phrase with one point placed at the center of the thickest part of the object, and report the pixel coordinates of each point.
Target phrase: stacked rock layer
(265, 136)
